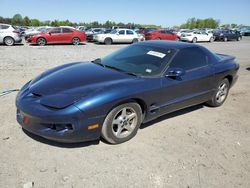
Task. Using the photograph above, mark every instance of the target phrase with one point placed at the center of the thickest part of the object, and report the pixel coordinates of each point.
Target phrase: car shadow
(59, 144)
(96, 142)
(248, 68)
(172, 115)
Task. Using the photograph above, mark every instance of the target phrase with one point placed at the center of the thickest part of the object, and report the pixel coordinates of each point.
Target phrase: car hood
(61, 87)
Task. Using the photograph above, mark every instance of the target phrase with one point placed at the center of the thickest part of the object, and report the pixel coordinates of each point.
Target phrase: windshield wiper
(120, 70)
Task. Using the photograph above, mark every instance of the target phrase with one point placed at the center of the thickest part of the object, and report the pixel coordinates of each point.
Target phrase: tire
(221, 93)
(41, 41)
(225, 39)
(9, 41)
(108, 41)
(194, 40)
(158, 38)
(122, 123)
(211, 39)
(135, 41)
(239, 38)
(76, 41)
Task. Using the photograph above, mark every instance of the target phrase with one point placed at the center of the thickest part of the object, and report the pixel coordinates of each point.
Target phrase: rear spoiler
(224, 57)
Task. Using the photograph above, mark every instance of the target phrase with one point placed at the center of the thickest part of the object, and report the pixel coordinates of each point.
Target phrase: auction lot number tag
(156, 54)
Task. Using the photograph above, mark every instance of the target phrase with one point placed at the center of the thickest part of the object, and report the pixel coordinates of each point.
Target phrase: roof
(168, 44)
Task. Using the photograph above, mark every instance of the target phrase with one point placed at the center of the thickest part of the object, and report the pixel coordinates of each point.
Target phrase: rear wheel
(239, 38)
(211, 39)
(75, 41)
(122, 123)
(108, 41)
(158, 38)
(225, 39)
(220, 94)
(9, 41)
(41, 41)
(194, 40)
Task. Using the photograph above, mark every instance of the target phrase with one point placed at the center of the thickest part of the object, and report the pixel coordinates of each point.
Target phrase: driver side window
(121, 32)
(189, 58)
(56, 30)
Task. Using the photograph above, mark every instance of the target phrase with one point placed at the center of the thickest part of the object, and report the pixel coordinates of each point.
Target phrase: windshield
(114, 31)
(141, 60)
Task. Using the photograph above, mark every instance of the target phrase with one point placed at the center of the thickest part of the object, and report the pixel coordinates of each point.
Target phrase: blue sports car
(111, 97)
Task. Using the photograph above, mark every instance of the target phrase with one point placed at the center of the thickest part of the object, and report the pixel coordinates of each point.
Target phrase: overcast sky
(160, 12)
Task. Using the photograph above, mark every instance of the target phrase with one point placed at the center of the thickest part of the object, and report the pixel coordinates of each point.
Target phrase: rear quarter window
(190, 58)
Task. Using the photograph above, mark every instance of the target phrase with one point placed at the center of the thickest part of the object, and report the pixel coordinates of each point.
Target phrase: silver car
(9, 35)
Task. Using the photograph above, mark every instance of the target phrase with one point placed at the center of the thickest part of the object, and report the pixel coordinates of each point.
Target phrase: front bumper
(189, 39)
(68, 125)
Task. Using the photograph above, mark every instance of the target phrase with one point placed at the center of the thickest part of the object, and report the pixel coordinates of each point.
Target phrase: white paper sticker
(156, 54)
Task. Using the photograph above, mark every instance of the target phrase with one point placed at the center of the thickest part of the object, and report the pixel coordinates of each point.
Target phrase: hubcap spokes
(222, 93)
(124, 122)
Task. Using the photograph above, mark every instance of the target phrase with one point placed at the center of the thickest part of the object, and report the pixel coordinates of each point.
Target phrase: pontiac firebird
(111, 97)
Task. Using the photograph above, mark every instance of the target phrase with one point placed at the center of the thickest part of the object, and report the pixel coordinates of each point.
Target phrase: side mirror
(175, 73)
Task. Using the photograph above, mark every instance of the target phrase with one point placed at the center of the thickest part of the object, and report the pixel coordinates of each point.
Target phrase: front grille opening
(36, 95)
(59, 126)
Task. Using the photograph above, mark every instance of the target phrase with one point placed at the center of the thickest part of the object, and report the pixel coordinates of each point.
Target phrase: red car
(161, 35)
(58, 35)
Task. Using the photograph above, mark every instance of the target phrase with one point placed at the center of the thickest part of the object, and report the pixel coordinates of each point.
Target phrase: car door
(54, 35)
(192, 86)
(205, 36)
(66, 36)
(170, 35)
(130, 35)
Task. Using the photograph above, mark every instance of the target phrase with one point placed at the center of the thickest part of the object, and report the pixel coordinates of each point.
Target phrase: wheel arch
(141, 102)
(230, 78)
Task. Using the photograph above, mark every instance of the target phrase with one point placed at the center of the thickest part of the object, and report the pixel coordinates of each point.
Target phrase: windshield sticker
(148, 70)
(156, 54)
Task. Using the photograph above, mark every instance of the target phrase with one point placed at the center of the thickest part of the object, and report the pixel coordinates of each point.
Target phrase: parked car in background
(9, 35)
(118, 36)
(226, 35)
(197, 36)
(162, 34)
(146, 30)
(111, 97)
(245, 31)
(183, 31)
(90, 37)
(59, 35)
(81, 28)
(29, 33)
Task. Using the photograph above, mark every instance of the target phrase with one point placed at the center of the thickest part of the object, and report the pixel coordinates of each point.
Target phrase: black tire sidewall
(107, 132)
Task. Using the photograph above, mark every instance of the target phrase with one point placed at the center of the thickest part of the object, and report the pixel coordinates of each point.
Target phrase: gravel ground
(197, 147)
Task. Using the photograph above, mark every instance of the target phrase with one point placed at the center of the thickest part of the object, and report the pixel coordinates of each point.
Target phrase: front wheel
(41, 41)
(239, 38)
(220, 94)
(135, 41)
(211, 39)
(9, 41)
(108, 41)
(122, 123)
(225, 39)
(75, 41)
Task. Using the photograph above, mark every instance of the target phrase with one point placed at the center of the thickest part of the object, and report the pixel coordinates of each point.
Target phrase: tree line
(191, 23)
(18, 20)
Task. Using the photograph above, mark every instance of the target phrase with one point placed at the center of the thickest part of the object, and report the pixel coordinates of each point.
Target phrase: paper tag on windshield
(156, 54)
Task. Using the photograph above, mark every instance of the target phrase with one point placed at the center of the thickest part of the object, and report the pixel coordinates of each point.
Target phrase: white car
(9, 35)
(118, 36)
(197, 36)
